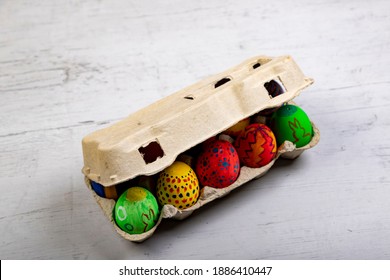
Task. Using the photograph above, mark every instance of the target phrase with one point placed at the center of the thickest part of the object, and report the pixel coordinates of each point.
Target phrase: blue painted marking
(99, 189)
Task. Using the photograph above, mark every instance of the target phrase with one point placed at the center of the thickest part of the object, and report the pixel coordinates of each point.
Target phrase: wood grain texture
(68, 68)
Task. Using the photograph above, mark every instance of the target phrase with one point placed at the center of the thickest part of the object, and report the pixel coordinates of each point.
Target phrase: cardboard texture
(151, 139)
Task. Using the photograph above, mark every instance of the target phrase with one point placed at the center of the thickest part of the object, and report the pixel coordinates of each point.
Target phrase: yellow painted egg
(178, 185)
(236, 129)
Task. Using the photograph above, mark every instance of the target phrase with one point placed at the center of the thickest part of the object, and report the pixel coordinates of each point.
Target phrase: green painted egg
(291, 123)
(136, 210)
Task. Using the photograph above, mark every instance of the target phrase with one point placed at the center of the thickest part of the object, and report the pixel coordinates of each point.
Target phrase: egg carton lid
(150, 139)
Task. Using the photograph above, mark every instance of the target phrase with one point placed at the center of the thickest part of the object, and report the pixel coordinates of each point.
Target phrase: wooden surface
(68, 68)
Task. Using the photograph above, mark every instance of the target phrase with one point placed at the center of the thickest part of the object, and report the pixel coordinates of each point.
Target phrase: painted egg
(207, 142)
(291, 123)
(136, 210)
(236, 129)
(111, 192)
(256, 145)
(218, 166)
(178, 185)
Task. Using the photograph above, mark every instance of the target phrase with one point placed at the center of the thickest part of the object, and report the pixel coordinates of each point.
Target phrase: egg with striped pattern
(256, 146)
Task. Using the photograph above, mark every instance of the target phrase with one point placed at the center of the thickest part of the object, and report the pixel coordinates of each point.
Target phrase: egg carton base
(287, 150)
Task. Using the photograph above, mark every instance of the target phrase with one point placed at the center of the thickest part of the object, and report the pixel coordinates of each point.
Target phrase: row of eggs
(217, 165)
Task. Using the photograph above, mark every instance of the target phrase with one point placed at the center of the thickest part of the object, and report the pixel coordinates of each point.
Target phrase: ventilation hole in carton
(275, 87)
(257, 65)
(221, 82)
(151, 152)
(189, 97)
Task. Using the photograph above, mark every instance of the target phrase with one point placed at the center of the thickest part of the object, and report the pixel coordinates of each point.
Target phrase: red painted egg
(207, 142)
(256, 145)
(218, 166)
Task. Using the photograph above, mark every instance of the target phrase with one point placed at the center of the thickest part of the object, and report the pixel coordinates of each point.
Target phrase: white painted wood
(68, 68)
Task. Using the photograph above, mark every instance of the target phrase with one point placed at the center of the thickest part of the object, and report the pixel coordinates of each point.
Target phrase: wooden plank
(68, 68)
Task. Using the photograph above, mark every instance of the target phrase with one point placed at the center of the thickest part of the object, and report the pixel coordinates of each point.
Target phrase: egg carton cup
(151, 139)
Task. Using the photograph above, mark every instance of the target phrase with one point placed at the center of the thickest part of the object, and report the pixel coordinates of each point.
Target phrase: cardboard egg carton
(152, 138)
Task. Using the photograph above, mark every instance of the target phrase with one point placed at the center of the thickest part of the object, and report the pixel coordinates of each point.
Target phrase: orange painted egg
(256, 145)
(218, 166)
(178, 185)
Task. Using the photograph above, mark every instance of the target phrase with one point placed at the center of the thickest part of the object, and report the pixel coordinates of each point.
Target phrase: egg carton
(152, 138)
